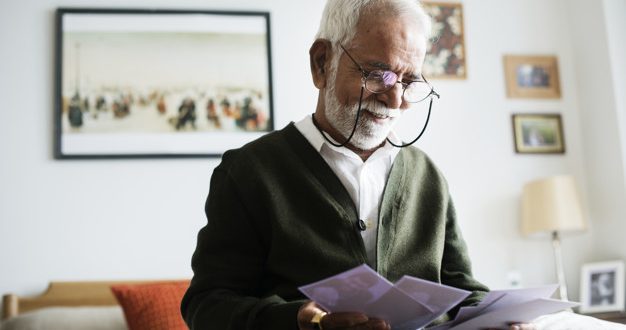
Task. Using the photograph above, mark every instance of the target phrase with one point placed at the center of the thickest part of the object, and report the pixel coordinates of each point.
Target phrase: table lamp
(552, 205)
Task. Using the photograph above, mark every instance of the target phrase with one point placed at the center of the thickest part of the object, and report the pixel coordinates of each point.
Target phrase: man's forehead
(374, 56)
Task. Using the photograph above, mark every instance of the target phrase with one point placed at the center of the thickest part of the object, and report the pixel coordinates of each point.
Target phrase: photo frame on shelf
(445, 59)
(538, 133)
(135, 83)
(602, 287)
(532, 77)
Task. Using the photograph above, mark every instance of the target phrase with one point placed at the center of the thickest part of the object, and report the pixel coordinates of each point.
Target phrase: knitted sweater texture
(279, 218)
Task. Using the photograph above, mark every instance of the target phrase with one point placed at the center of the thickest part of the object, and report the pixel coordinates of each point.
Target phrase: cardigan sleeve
(228, 268)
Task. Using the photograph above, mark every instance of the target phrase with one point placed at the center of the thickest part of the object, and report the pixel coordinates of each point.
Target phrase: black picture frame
(538, 133)
(154, 83)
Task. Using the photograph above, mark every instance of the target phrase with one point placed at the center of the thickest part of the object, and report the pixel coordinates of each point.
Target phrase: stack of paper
(502, 307)
(412, 303)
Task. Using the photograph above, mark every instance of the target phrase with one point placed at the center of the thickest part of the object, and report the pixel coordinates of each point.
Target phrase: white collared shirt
(364, 181)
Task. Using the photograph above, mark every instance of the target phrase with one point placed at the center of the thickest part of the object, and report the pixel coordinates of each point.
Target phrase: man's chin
(368, 143)
(367, 140)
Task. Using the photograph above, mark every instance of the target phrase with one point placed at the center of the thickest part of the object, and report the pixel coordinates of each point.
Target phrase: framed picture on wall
(445, 58)
(538, 133)
(602, 287)
(532, 76)
(160, 83)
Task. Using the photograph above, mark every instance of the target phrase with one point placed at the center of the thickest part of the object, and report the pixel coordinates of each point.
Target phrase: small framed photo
(538, 134)
(445, 58)
(602, 287)
(532, 77)
(145, 83)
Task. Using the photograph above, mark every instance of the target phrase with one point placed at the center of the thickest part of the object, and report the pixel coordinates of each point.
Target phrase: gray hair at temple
(340, 17)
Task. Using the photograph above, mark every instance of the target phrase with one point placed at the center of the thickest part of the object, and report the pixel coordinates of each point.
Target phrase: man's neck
(364, 154)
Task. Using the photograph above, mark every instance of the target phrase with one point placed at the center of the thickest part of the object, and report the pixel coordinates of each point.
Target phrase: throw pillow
(152, 306)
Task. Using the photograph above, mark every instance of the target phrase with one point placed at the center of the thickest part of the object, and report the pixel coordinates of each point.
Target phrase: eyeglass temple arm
(432, 90)
(353, 60)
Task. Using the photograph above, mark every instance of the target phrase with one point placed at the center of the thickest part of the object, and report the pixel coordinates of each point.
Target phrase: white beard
(369, 134)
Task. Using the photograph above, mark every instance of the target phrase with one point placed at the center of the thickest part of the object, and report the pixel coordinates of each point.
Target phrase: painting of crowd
(117, 110)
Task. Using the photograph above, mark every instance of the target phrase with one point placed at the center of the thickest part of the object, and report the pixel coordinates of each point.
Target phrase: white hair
(340, 17)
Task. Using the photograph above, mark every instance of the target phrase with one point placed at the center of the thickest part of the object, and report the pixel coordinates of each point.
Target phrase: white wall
(133, 219)
(616, 36)
(593, 34)
(601, 52)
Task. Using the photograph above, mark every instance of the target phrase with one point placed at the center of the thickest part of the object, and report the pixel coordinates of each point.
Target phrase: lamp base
(558, 261)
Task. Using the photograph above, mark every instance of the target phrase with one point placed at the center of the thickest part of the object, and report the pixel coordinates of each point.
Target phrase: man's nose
(393, 97)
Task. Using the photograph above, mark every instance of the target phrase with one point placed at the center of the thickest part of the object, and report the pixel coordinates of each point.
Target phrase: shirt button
(362, 225)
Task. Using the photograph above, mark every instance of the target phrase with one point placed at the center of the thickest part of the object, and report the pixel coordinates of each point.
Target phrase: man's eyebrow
(379, 65)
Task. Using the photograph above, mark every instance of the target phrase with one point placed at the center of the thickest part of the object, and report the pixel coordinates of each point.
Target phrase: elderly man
(333, 191)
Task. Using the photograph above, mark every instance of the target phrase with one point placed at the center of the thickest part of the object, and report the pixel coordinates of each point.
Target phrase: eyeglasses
(380, 81)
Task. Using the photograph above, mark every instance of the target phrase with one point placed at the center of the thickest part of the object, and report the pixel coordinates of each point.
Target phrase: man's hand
(357, 321)
(347, 320)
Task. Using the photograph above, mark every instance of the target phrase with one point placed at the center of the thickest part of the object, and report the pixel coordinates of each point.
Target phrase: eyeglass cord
(430, 106)
(356, 123)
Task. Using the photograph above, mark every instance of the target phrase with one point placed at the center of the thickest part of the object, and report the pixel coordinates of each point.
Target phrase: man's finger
(343, 320)
(371, 324)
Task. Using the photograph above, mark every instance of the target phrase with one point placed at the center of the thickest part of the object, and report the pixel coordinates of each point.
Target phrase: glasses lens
(417, 91)
(380, 81)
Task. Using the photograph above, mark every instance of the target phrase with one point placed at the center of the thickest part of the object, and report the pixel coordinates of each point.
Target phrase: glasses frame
(365, 74)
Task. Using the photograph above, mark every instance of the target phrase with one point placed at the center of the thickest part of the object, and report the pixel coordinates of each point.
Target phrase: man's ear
(320, 55)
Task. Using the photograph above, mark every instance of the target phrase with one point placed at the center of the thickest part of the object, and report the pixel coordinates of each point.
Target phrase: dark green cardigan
(279, 218)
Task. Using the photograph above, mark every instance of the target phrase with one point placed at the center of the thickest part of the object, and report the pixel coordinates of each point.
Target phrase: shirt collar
(310, 132)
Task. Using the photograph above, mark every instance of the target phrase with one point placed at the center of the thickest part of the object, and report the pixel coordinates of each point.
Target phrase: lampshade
(551, 204)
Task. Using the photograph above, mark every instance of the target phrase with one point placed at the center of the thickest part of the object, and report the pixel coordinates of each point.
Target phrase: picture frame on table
(143, 83)
(538, 134)
(445, 59)
(602, 287)
(532, 77)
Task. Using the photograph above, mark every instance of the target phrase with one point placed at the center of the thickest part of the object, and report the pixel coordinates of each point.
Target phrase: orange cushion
(153, 306)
